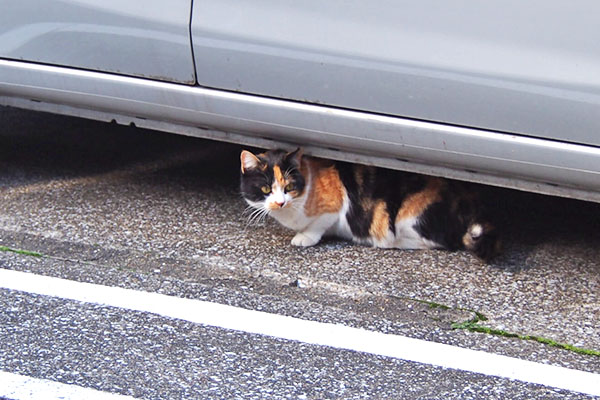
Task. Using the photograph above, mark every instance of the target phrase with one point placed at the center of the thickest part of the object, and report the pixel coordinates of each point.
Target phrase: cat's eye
(289, 187)
(266, 189)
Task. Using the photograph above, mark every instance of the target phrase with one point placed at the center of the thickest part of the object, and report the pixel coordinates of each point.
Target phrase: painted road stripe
(13, 386)
(312, 332)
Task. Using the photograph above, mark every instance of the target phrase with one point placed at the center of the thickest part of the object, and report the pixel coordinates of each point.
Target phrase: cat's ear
(248, 161)
(295, 156)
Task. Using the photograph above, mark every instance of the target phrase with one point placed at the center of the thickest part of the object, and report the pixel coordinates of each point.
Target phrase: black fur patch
(446, 221)
(439, 225)
(377, 184)
(358, 218)
(251, 182)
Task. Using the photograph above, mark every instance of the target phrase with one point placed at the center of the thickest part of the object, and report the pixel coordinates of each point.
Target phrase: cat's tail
(482, 239)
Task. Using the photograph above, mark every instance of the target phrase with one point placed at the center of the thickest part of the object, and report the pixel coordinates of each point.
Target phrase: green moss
(473, 326)
(432, 304)
(19, 251)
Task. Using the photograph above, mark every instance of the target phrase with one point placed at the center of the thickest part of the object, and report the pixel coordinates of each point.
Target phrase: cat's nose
(280, 204)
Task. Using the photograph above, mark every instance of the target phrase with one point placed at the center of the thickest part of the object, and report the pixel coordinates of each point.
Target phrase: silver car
(499, 92)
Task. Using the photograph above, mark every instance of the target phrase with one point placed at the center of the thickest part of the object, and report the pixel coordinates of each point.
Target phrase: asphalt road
(119, 206)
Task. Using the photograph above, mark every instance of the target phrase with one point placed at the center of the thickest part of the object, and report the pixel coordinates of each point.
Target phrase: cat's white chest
(292, 216)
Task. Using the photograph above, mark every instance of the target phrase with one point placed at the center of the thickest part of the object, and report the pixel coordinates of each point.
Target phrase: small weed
(19, 251)
(432, 304)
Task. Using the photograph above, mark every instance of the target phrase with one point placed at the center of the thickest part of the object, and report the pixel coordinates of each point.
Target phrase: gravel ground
(123, 206)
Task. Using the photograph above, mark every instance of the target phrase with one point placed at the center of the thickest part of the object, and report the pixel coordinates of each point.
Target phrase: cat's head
(273, 180)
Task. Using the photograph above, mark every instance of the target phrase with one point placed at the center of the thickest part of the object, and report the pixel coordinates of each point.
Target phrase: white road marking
(13, 386)
(312, 332)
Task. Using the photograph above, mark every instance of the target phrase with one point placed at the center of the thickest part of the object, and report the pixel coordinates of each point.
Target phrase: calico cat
(368, 205)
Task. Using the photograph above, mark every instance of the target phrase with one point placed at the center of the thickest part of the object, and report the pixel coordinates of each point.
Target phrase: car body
(498, 92)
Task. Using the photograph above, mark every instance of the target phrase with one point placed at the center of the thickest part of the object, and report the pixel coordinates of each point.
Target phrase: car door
(528, 68)
(142, 38)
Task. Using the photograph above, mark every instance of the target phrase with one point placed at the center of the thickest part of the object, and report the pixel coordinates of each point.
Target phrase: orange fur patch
(326, 192)
(416, 203)
(278, 175)
(380, 223)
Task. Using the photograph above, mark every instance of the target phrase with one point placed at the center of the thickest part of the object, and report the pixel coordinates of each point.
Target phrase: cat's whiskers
(288, 172)
(248, 211)
(257, 216)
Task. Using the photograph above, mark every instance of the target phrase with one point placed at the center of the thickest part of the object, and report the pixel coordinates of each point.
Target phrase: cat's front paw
(304, 240)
